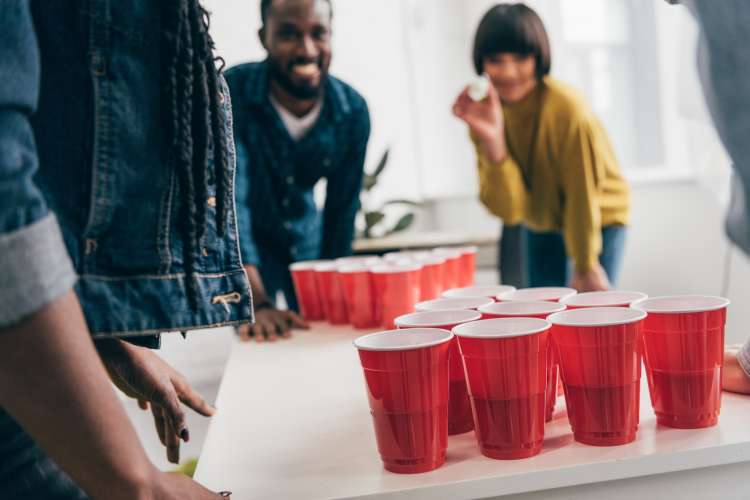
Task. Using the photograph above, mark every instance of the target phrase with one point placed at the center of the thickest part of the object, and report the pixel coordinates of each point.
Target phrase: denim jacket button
(211, 201)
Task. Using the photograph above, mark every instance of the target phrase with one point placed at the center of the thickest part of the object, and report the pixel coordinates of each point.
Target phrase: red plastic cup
(540, 310)
(452, 266)
(433, 275)
(449, 304)
(306, 289)
(536, 294)
(467, 266)
(608, 298)
(406, 375)
(599, 351)
(506, 370)
(684, 349)
(489, 291)
(359, 295)
(459, 408)
(331, 293)
(397, 288)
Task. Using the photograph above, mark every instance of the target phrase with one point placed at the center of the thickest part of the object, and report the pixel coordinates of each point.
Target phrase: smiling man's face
(297, 36)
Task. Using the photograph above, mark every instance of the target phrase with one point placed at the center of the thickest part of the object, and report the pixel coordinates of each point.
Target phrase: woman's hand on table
(593, 280)
(485, 120)
(733, 378)
(270, 324)
(143, 375)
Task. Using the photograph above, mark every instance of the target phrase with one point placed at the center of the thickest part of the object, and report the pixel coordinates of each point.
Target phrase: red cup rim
(402, 267)
(402, 340)
(539, 293)
(607, 298)
(680, 304)
(446, 304)
(307, 265)
(489, 291)
(501, 328)
(520, 308)
(596, 316)
(433, 319)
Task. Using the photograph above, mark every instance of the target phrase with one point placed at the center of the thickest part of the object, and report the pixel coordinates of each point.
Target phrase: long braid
(193, 125)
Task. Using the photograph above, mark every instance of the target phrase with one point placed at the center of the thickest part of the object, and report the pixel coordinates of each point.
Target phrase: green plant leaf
(381, 165)
(372, 218)
(403, 223)
(368, 182)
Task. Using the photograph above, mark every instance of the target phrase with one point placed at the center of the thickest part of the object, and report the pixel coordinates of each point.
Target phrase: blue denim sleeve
(342, 192)
(35, 268)
(244, 212)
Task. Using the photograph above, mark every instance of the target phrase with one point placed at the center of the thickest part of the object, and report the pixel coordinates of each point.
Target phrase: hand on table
(270, 324)
(593, 280)
(143, 375)
(733, 378)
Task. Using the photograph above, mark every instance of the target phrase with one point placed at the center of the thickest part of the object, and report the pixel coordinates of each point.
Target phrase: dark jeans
(26, 473)
(529, 258)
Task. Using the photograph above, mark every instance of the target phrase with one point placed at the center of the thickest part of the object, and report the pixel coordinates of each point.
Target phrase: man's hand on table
(270, 324)
(733, 378)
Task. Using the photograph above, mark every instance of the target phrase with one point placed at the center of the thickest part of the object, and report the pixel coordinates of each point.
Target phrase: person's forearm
(494, 149)
(53, 383)
(256, 285)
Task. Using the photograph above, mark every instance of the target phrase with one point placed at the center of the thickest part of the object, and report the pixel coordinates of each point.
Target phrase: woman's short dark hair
(514, 28)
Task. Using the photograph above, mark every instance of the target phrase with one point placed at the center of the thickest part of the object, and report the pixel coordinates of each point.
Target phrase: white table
(293, 423)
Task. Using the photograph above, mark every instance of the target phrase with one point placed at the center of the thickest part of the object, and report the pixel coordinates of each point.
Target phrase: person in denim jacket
(117, 221)
(724, 68)
(294, 124)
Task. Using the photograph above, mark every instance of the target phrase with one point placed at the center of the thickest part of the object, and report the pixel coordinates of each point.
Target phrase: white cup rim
(680, 304)
(391, 268)
(501, 328)
(523, 308)
(556, 293)
(596, 317)
(404, 340)
(307, 265)
(446, 304)
(606, 298)
(434, 319)
(489, 291)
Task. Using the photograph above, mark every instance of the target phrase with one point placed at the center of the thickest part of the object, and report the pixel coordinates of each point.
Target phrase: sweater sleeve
(581, 174)
(501, 187)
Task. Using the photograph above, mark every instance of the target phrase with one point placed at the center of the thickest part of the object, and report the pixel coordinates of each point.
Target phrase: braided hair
(194, 125)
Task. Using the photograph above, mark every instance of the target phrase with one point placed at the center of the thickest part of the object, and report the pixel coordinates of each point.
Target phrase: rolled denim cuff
(35, 269)
(744, 357)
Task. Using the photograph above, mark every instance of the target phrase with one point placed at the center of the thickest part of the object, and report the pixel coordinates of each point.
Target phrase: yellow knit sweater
(574, 184)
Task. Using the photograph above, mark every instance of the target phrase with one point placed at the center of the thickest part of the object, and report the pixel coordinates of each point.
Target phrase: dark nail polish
(185, 434)
(225, 493)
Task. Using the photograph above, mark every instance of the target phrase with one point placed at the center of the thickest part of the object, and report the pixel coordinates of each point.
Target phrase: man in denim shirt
(116, 222)
(294, 124)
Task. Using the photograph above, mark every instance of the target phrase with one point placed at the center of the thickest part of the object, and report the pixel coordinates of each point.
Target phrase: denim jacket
(85, 197)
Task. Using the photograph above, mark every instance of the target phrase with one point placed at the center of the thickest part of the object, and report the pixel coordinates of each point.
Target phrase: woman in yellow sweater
(544, 159)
